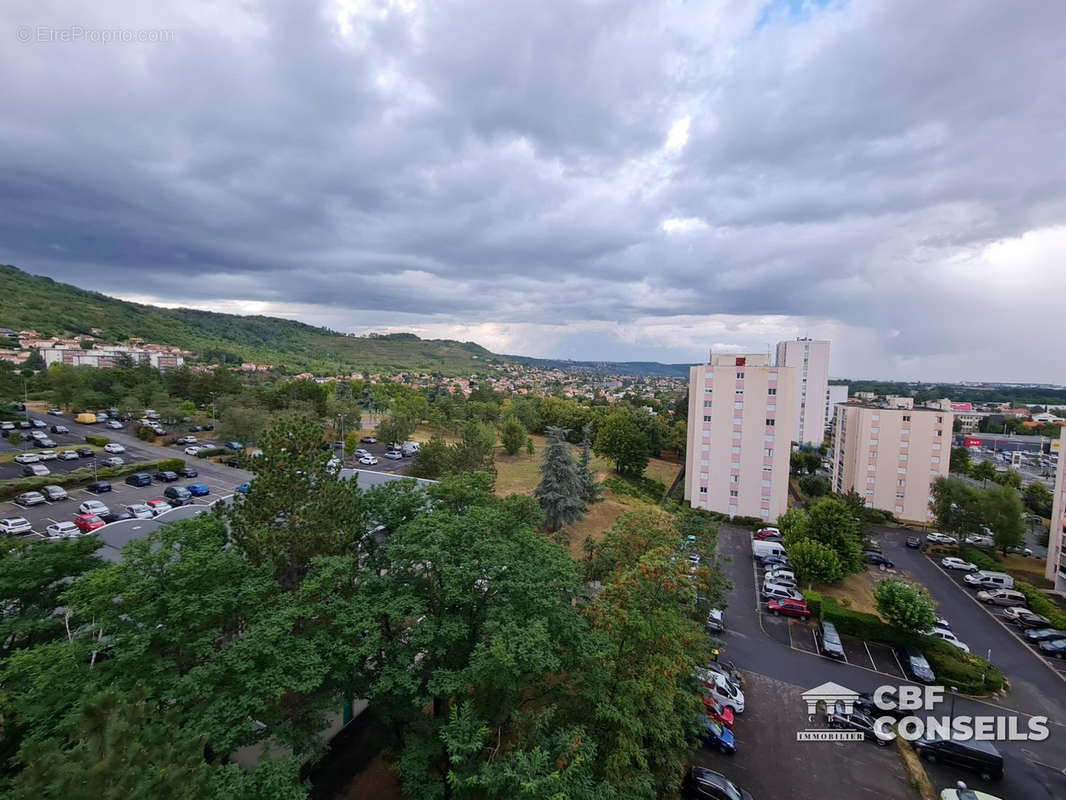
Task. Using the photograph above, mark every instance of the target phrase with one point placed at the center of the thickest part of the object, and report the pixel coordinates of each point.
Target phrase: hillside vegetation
(41, 304)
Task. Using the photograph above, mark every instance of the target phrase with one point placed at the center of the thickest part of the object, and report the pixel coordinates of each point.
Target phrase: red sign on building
(972, 442)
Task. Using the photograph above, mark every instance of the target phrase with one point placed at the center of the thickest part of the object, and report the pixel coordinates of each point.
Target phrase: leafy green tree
(815, 562)
(1011, 478)
(984, 471)
(812, 461)
(960, 460)
(830, 522)
(1001, 510)
(813, 486)
(905, 605)
(513, 435)
(793, 526)
(620, 440)
(591, 489)
(474, 452)
(1038, 499)
(395, 429)
(956, 506)
(560, 491)
(433, 459)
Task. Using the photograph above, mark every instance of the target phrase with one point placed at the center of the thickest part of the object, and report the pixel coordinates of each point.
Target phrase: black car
(857, 721)
(178, 495)
(188, 472)
(232, 462)
(914, 542)
(1044, 635)
(980, 756)
(1029, 621)
(890, 698)
(139, 479)
(829, 641)
(209, 427)
(870, 557)
(98, 487)
(85, 452)
(116, 516)
(776, 561)
(915, 665)
(166, 476)
(705, 784)
(196, 428)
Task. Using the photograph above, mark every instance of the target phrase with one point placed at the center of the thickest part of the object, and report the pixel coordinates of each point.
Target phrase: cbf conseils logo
(906, 712)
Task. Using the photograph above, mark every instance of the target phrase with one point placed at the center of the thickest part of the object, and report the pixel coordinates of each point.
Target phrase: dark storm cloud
(525, 166)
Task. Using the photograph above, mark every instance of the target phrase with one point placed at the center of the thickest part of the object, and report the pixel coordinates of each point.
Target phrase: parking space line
(869, 654)
(817, 649)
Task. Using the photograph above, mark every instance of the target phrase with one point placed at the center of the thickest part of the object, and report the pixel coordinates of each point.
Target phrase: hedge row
(969, 673)
(208, 452)
(979, 557)
(15, 487)
(1040, 604)
(97, 439)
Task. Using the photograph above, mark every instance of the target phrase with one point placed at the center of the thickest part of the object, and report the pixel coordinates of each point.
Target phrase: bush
(208, 452)
(979, 557)
(96, 439)
(1040, 604)
(145, 434)
(814, 603)
(748, 522)
(167, 465)
(813, 485)
(11, 488)
(643, 488)
(863, 625)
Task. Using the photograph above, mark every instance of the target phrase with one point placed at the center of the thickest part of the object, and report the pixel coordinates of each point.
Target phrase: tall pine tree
(591, 489)
(560, 492)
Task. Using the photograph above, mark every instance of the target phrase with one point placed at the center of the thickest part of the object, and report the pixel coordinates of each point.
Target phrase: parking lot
(399, 467)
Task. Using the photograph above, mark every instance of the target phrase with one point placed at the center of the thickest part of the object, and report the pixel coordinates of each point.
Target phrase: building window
(902, 456)
(901, 482)
(875, 430)
(771, 407)
(703, 490)
(734, 493)
(899, 509)
(706, 418)
(940, 433)
(707, 403)
(771, 390)
(770, 422)
(936, 459)
(734, 479)
(939, 420)
(740, 376)
(738, 420)
(769, 451)
(739, 406)
(906, 418)
(766, 483)
(736, 450)
(901, 471)
(904, 444)
(767, 468)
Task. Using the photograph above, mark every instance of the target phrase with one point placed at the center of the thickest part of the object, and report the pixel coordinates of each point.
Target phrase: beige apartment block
(810, 359)
(1056, 548)
(740, 422)
(891, 456)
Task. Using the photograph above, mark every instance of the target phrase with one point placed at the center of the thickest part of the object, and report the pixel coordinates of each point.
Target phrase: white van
(990, 580)
(761, 549)
(410, 448)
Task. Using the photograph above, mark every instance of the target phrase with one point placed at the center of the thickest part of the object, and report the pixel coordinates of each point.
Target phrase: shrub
(208, 452)
(814, 603)
(145, 434)
(84, 475)
(168, 465)
(813, 485)
(970, 674)
(749, 522)
(1040, 604)
(979, 557)
(96, 439)
(863, 625)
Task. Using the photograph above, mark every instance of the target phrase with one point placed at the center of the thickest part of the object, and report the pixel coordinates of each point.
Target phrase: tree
(530, 448)
(474, 452)
(984, 471)
(433, 459)
(513, 435)
(812, 461)
(830, 522)
(620, 440)
(1011, 478)
(1038, 499)
(813, 486)
(793, 526)
(395, 429)
(1001, 510)
(591, 489)
(905, 605)
(960, 460)
(956, 506)
(815, 562)
(560, 491)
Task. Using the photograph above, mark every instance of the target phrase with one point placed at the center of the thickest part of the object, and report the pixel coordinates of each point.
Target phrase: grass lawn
(857, 588)
(1030, 570)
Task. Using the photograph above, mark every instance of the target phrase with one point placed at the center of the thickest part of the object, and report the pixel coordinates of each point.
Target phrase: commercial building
(1056, 548)
(891, 456)
(740, 422)
(810, 359)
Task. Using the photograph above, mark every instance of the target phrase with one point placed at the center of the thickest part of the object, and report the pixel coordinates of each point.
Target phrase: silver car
(140, 511)
(30, 499)
(54, 493)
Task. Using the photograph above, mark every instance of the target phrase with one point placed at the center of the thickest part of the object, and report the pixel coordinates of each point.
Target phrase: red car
(716, 710)
(87, 523)
(767, 534)
(788, 608)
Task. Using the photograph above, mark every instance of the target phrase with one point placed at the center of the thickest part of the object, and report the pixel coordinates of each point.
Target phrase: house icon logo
(833, 695)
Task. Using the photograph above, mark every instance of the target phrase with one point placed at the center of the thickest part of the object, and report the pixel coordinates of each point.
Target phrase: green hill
(42, 304)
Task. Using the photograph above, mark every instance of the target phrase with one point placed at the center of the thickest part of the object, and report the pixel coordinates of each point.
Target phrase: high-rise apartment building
(740, 422)
(1056, 547)
(810, 359)
(835, 393)
(891, 456)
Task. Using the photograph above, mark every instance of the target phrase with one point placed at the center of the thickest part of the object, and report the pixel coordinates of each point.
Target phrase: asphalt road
(1033, 769)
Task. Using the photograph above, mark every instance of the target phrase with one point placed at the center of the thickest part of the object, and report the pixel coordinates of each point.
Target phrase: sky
(587, 179)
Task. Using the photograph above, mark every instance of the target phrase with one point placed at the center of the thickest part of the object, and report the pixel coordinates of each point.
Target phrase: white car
(362, 453)
(941, 538)
(394, 455)
(113, 461)
(15, 525)
(114, 447)
(67, 455)
(93, 507)
(191, 451)
(980, 540)
(724, 691)
(186, 440)
(115, 425)
(46, 455)
(951, 638)
(27, 458)
(40, 423)
(951, 562)
(7, 426)
(140, 511)
(334, 465)
(775, 591)
(30, 499)
(368, 461)
(38, 435)
(62, 530)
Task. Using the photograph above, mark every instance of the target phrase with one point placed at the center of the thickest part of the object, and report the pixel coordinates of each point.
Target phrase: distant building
(810, 359)
(835, 393)
(110, 357)
(740, 422)
(891, 456)
(1055, 569)
(896, 401)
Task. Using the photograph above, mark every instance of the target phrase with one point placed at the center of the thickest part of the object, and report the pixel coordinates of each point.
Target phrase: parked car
(829, 640)
(188, 472)
(1001, 597)
(185, 440)
(714, 709)
(140, 511)
(716, 621)
(54, 493)
(62, 530)
(98, 487)
(776, 561)
(980, 756)
(93, 507)
(1044, 634)
(857, 721)
(889, 698)
(1029, 620)
(35, 471)
(15, 525)
(724, 690)
(362, 453)
(166, 476)
(870, 557)
(788, 608)
(768, 534)
(114, 447)
(712, 734)
(112, 461)
(67, 455)
(951, 562)
(59, 429)
(87, 523)
(1056, 648)
(701, 783)
(177, 496)
(191, 451)
(940, 538)
(85, 452)
(158, 505)
(368, 461)
(139, 479)
(950, 638)
(243, 488)
(27, 458)
(915, 665)
(198, 489)
(46, 442)
(775, 591)
(30, 499)
(368, 440)
(1025, 552)
(233, 446)
(980, 540)
(114, 425)
(914, 542)
(394, 455)
(39, 423)
(989, 580)
(117, 516)
(55, 412)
